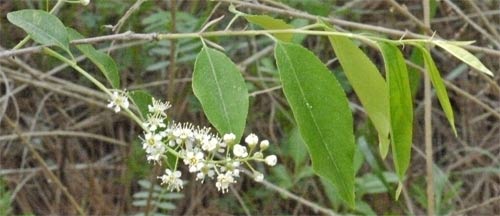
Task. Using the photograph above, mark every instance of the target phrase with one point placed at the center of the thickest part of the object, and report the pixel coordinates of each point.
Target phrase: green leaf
(141, 99)
(400, 106)
(103, 61)
(464, 56)
(322, 112)
(438, 84)
(221, 90)
(368, 84)
(270, 23)
(43, 27)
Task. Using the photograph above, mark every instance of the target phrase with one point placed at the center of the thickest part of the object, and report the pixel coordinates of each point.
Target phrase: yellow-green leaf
(464, 56)
(438, 84)
(323, 116)
(368, 84)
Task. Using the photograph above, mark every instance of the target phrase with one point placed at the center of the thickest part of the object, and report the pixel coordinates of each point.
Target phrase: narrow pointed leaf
(141, 99)
(221, 90)
(464, 56)
(368, 84)
(103, 61)
(323, 116)
(437, 82)
(400, 106)
(43, 27)
(270, 23)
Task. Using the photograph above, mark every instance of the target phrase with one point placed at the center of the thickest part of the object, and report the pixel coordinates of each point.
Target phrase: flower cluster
(204, 153)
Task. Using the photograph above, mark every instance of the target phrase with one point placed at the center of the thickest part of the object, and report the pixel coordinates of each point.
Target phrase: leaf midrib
(314, 120)
(219, 90)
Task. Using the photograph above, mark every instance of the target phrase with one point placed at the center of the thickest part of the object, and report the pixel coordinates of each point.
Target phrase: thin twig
(116, 28)
(65, 133)
(491, 200)
(99, 164)
(240, 200)
(428, 122)
(286, 193)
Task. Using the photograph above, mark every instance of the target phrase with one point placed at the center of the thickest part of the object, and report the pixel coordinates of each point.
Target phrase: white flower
(151, 141)
(183, 132)
(252, 140)
(210, 144)
(172, 180)
(154, 122)
(264, 144)
(258, 176)
(201, 135)
(155, 155)
(271, 160)
(158, 107)
(118, 100)
(194, 160)
(240, 151)
(153, 146)
(229, 138)
(223, 181)
(85, 2)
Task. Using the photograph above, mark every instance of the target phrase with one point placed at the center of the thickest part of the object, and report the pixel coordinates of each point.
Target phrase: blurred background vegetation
(96, 154)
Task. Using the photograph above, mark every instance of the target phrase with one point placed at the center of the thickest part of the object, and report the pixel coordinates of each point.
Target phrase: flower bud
(258, 177)
(240, 151)
(252, 140)
(264, 144)
(229, 138)
(271, 160)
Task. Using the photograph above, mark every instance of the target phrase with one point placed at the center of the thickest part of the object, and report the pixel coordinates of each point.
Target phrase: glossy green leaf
(368, 84)
(43, 27)
(400, 106)
(464, 56)
(221, 90)
(141, 99)
(270, 23)
(322, 112)
(104, 62)
(437, 82)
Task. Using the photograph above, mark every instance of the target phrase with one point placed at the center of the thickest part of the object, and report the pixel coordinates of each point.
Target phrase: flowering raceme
(204, 153)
